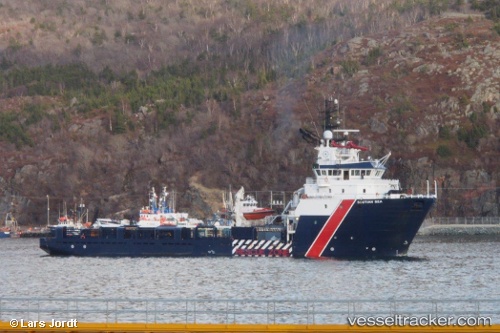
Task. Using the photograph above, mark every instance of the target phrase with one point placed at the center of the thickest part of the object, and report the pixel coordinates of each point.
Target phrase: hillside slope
(431, 95)
(428, 92)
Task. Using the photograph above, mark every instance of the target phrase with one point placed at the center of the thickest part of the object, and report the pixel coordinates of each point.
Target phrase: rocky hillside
(431, 95)
(425, 87)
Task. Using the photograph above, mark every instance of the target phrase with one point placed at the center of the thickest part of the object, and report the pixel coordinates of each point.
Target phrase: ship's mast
(332, 121)
(152, 199)
(332, 112)
(164, 207)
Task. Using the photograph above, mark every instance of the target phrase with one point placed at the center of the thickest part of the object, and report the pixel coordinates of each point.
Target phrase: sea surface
(436, 268)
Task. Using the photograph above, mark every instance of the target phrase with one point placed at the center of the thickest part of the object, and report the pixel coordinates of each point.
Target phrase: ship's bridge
(339, 170)
(354, 178)
(358, 171)
(350, 169)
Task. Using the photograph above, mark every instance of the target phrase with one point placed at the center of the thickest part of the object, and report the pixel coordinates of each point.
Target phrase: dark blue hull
(367, 229)
(136, 242)
(202, 241)
(356, 229)
(130, 248)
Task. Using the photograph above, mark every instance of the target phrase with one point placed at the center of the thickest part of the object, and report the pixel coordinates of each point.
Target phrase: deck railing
(218, 311)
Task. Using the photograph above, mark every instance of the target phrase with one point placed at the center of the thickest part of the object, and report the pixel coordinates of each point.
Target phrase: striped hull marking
(331, 226)
(261, 248)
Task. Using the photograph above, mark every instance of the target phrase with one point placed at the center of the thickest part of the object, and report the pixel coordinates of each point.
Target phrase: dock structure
(460, 226)
(217, 315)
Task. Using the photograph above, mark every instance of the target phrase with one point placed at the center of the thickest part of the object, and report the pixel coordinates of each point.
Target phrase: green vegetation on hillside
(12, 131)
(174, 85)
(253, 44)
(491, 8)
(473, 131)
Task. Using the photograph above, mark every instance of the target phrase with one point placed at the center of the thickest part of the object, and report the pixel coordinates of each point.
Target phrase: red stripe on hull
(326, 233)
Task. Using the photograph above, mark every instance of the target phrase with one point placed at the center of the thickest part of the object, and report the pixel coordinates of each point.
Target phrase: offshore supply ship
(347, 210)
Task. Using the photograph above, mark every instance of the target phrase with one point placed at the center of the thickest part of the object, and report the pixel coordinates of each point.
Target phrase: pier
(219, 315)
(460, 226)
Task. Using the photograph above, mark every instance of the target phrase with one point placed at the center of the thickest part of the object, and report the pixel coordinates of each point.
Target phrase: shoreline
(459, 230)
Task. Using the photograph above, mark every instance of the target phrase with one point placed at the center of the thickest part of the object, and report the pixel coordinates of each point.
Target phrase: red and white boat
(258, 213)
(247, 206)
(251, 211)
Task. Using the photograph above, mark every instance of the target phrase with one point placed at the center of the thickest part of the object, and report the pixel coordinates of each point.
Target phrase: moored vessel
(10, 228)
(4, 233)
(77, 218)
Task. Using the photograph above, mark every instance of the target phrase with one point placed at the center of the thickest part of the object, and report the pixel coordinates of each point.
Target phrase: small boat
(10, 228)
(250, 209)
(243, 210)
(258, 213)
(246, 207)
(77, 219)
(5, 233)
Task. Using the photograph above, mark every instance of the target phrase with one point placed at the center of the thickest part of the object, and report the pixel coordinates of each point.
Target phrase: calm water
(436, 268)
